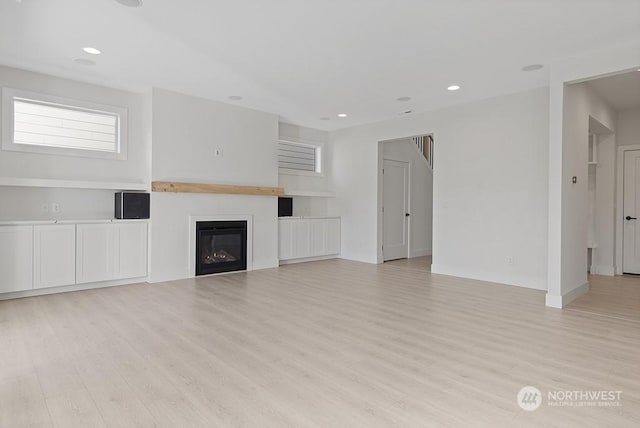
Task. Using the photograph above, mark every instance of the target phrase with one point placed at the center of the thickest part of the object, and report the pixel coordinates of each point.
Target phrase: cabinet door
(317, 237)
(301, 238)
(285, 239)
(54, 255)
(332, 236)
(16, 258)
(132, 250)
(97, 252)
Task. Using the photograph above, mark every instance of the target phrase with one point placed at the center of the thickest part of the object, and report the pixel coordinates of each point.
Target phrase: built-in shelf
(308, 217)
(69, 221)
(310, 193)
(229, 189)
(71, 184)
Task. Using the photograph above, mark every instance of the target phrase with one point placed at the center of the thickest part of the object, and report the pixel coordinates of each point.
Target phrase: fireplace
(221, 246)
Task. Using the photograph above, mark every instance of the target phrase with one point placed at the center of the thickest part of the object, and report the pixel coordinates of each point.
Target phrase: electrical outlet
(44, 208)
(56, 207)
(510, 260)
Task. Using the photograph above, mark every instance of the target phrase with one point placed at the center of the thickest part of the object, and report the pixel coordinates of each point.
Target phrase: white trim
(380, 203)
(620, 204)
(458, 272)
(558, 302)
(307, 259)
(602, 270)
(71, 221)
(8, 96)
(73, 287)
(421, 252)
(71, 184)
(310, 193)
(193, 219)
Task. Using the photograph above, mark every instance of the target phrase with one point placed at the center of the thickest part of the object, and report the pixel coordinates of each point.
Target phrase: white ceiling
(621, 91)
(305, 59)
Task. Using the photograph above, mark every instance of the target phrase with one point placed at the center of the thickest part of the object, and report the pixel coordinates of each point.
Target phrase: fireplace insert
(221, 246)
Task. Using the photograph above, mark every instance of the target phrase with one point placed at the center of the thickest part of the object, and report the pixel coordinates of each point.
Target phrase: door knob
(407, 214)
(630, 218)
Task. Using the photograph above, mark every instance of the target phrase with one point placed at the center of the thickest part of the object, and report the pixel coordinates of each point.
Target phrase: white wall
(186, 130)
(490, 187)
(305, 205)
(628, 127)
(28, 165)
(580, 102)
(603, 257)
(421, 194)
(24, 203)
(300, 134)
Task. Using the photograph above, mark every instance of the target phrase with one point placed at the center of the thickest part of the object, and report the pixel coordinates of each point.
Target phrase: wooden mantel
(179, 187)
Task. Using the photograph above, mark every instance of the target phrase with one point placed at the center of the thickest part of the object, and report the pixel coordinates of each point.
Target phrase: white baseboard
(307, 259)
(75, 287)
(556, 301)
(603, 270)
(483, 276)
(421, 252)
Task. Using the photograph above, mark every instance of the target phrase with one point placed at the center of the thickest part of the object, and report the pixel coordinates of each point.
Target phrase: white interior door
(395, 190)
(631, 211)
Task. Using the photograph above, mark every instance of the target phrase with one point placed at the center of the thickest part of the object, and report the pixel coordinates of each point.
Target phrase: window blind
(297, 156)
(43, 124)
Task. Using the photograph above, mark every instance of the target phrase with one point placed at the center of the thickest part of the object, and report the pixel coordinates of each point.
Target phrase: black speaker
(285, 207)
(131, 205)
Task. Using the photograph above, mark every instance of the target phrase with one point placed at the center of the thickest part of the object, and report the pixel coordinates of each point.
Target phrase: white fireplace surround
(193, 219)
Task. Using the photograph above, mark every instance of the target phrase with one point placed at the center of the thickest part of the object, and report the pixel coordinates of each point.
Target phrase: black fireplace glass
(221, 246)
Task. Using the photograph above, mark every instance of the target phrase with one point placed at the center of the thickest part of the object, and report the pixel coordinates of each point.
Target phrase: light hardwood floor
(617, 297)
(327, 344)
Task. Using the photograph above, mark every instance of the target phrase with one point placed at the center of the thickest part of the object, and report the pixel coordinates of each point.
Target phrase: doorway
(405, 201)
(599, 126)
(395, 209)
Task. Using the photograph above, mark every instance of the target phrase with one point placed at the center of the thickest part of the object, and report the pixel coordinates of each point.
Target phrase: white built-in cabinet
(41, 256)
(111, 251)
(132, 250)
(16, 258)
(54, 255)
(301, 238)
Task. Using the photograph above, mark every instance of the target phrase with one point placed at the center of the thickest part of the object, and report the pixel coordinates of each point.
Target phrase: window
(299, 158)
(45, 124)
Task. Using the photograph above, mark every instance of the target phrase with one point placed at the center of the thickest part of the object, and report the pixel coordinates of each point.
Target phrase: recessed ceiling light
(130, 3)
(235, 98)
(325, 118)
(342, 114)
(403, 99)
(453, 88)
(532, 67)
(84, 61)
(92, 51)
